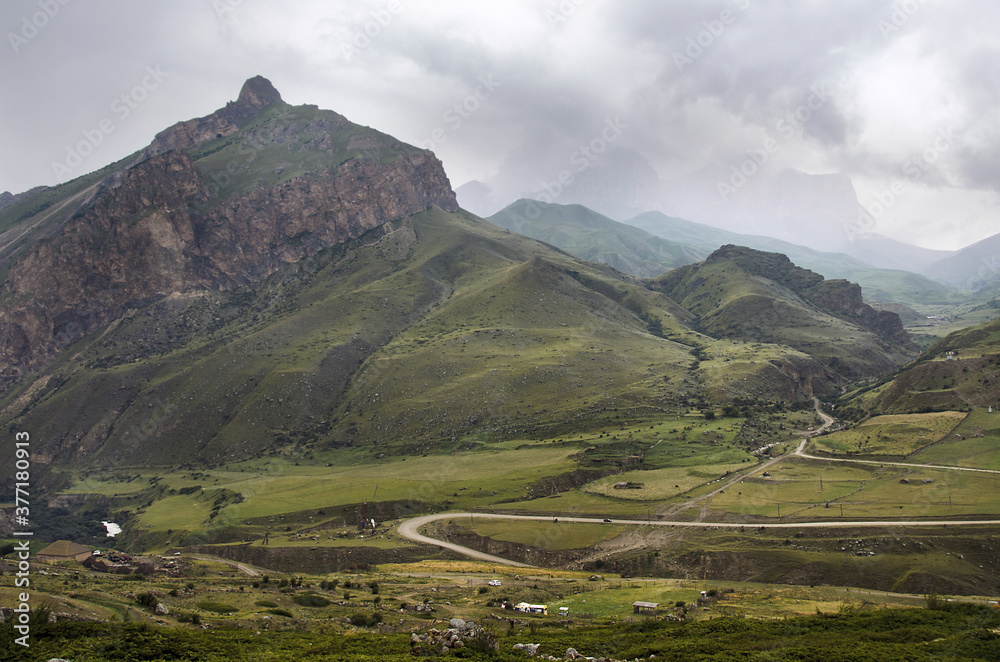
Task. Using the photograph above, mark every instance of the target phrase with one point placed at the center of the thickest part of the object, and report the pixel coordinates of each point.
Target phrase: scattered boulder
(161, 609)
(528, 649)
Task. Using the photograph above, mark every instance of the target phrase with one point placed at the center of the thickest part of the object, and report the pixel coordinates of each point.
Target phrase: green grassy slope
(957, 373)
(761, 297)
(591, 236)
(418, 332)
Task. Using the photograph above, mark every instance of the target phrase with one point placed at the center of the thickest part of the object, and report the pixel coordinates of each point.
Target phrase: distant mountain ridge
(821, 211)
(888, 285)
(974, 267)
(592, 236)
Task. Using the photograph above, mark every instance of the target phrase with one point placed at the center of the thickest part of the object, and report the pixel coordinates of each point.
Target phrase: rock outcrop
(162, 227)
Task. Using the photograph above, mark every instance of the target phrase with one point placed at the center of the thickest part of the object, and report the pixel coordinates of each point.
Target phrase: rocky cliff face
(844, 299)
(839, 297)
(159, 228)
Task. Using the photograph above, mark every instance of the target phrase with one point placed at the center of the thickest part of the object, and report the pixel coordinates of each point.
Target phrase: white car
(494, 582)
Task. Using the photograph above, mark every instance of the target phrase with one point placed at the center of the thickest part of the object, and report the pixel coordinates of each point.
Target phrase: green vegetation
(857, 633)
(893, 435)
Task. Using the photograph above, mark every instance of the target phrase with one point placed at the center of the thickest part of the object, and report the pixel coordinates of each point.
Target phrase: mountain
(592, 236)
(958, 372)
(886, 253)
(886, 285)
(973, 268)
(742, 293)
(272, 277)
(420, 333)
(619, 184)
(211, 204)
(821, 211)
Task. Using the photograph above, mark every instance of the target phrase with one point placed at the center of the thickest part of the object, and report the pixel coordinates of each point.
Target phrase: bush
(217, 607)
(147, 600)
(365, 620)
(483, 641)
(280, 612)
(311, 600)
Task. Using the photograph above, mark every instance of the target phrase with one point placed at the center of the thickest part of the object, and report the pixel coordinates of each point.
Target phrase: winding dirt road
(409, 528)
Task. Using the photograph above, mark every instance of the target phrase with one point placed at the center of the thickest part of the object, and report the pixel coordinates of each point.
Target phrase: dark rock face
(844, 299)
(152, 233)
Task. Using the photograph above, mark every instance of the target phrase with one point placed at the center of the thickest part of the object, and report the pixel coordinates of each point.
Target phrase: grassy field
(660, 484)
(976, 446)
(552, 535)
(891, 435)
(793, 487)
(802, 489)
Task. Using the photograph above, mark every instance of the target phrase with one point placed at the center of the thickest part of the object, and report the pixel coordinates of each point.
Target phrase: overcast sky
(896, 95)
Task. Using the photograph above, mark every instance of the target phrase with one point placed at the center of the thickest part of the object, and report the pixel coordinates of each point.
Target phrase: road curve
(409, 528)
(828, 421)
(242, 567)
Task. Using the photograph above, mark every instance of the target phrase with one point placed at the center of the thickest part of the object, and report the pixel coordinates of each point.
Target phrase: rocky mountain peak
(258, 92)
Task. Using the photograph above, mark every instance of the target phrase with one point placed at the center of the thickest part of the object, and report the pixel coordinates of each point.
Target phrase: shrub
(483, 641)
(266, 603)
(311, 600)
(147, 600)
(217, 607)
(365, 620)
(280, 612)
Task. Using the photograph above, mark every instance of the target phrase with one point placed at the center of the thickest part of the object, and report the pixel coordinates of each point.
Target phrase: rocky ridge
(161, 226)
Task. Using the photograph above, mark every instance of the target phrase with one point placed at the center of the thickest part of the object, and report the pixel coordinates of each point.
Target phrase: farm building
(524, 607)
(63, 550)
(639, 607)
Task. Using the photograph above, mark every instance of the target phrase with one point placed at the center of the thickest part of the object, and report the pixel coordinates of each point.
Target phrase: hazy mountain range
(820, 212)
